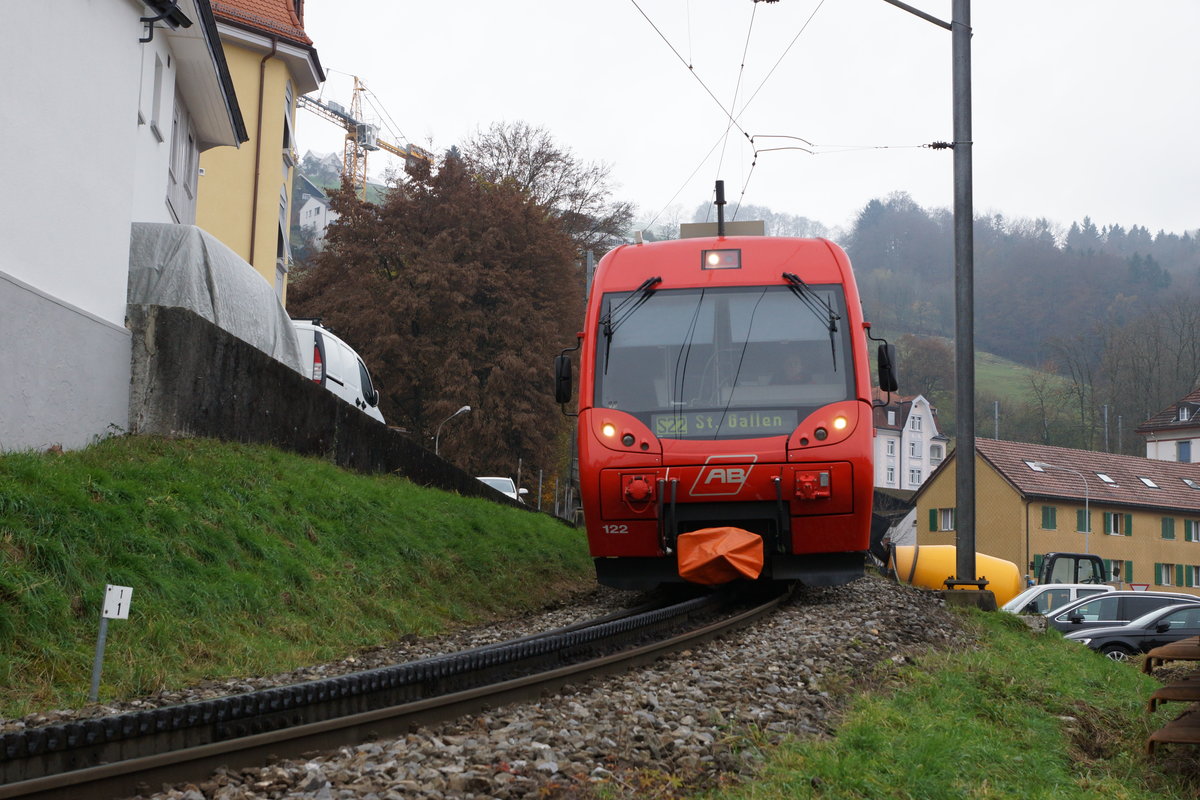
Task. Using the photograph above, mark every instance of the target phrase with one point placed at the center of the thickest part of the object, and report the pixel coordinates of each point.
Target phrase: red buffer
(713, 556)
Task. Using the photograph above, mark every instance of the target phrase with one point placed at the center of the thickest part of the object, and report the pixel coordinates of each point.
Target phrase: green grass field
(243, 560)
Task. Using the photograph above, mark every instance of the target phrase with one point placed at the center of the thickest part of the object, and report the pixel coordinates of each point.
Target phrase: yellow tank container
(935, 563)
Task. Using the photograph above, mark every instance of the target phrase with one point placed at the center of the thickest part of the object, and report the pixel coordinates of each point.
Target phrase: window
(156, 100)
(891, 476)
(914, 422)
(1116, 524)
(914, 449)
(935, 451)
(1191, 530)
(1191, 483)
(1183, 452)
(1185, 413)
(891, 447)
(941, 519)
(1148, 482)
(891, 418)
(1105, 478)
(914, 476)
(1083, 525)
(1168, 574)
(1049, 518)
(183, 167)
(1168, 527)
(1035, 466)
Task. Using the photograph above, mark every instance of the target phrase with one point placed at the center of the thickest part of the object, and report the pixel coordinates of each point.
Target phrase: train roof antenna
(721, 209)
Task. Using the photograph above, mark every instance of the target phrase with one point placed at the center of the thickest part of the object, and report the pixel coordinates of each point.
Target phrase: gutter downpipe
(262, 80)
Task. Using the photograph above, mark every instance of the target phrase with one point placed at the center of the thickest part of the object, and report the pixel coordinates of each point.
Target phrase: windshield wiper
(614, 318)
(819, 306)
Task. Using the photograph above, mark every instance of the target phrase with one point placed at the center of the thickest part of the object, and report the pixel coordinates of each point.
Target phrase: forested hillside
(1114, 311)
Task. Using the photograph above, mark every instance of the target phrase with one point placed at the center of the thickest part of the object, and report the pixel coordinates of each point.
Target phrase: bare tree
(578, 193)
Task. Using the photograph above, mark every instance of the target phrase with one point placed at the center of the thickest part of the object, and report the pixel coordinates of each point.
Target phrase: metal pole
(964, 293)
(98, 661)
(996, 420)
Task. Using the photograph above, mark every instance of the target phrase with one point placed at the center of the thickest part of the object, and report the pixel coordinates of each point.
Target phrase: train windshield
(729, 362)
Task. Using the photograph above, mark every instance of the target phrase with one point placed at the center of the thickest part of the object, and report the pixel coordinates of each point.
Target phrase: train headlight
(608, 429)
(839, 423)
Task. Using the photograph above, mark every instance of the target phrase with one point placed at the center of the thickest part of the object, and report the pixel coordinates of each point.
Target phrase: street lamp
(1087, 517)
(438, 434)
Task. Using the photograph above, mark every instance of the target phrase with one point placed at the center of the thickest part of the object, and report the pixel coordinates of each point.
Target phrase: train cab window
(732, 361)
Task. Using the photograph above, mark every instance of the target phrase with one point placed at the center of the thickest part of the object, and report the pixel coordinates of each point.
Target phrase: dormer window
(1185, 413)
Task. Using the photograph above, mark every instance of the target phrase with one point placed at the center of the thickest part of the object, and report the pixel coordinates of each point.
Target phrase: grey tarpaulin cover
(184, 266)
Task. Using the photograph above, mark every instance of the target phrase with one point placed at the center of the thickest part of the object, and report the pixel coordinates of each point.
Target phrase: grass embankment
(1025, 716)
(243, 560)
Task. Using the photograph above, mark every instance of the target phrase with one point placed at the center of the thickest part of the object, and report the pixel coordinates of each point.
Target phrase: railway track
(125, 754)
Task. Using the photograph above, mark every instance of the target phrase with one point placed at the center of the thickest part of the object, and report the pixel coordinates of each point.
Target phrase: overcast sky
(1081, 107)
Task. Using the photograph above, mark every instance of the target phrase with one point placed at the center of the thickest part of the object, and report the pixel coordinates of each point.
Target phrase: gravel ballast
(681, 722)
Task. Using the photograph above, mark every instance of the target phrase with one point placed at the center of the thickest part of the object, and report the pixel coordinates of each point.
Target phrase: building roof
(282, 18)
(1168, 418)
(1175, 486)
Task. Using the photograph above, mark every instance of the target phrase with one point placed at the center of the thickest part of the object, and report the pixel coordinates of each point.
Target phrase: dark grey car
(1112, 609)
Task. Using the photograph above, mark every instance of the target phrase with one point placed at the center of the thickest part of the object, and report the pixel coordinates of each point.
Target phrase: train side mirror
(562, 379)
(887, 368)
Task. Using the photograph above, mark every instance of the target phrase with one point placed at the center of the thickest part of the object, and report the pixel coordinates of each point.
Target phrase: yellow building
(1140, 515)
(245, 194)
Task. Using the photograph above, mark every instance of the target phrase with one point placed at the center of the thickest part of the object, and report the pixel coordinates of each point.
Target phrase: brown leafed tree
(456, 291)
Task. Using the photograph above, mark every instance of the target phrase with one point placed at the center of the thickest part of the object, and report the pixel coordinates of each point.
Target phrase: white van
(332, 363)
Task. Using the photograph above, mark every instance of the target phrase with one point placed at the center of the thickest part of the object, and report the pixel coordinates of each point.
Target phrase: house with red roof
(1140, 515)
(246, 193)
(1173, 434)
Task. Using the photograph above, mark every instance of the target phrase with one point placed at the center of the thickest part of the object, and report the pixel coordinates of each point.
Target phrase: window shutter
(1179, 574)
(1079, 521)
(1037, 565)
(1108, 521)
(933, 519)
(1158, 580)
(1129, 524)
(1128, 572)
(1168, 528)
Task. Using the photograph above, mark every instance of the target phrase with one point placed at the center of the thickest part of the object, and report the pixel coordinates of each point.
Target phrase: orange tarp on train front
(713, 556)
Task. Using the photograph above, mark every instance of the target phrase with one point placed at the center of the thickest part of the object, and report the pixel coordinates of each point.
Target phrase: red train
(724, 388)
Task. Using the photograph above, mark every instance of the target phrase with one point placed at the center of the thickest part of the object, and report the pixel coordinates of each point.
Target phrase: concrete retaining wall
(190, 378)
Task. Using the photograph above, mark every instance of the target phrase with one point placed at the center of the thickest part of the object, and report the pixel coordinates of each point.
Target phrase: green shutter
(1129, 524)
(1158, 580)
(1108, 521)
(1168, 527)
(1037, 565)
(1179, 574)
(1128, 576)
(1080, 524)
(933, 519)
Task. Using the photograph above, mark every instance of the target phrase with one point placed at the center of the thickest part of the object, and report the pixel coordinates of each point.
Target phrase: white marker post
(116, 606)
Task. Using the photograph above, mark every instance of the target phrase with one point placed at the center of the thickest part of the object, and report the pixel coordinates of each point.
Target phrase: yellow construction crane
(361, 137)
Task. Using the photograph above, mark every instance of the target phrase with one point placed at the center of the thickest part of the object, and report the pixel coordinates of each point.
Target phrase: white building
(908, 446)
(105, 128)
(1173, 434)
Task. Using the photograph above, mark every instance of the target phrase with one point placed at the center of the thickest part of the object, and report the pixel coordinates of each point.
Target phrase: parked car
(507, 487)
(1044, 599)
(333, 364)
(1159, 627)
(1112, 609)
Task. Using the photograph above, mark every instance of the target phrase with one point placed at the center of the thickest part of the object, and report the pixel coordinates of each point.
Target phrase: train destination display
(772, 422)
